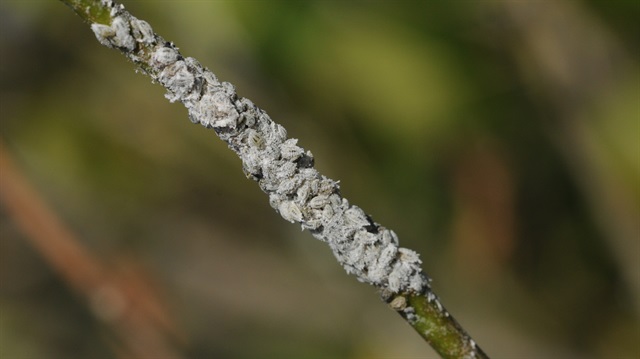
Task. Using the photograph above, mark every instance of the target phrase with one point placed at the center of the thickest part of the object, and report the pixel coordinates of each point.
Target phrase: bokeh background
(499, 139)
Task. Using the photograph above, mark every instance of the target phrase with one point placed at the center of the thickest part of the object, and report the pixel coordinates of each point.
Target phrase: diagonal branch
(286, 173)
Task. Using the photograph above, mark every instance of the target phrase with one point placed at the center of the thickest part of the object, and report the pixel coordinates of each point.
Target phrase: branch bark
(286, 173)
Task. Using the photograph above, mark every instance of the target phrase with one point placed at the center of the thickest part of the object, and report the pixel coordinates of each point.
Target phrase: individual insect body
(178, 80)
(290, 151)
(290, 211)
(319, 201)
(116, 35)
(254, 139)
(164, 56)
(142, 31)
(356, 216)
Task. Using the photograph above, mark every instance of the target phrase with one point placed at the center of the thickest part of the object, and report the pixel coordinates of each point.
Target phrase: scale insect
(290, 211)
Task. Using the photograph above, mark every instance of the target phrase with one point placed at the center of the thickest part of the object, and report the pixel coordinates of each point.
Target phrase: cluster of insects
(283, 169)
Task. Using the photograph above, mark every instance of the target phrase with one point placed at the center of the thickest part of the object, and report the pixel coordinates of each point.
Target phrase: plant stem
(286, 173)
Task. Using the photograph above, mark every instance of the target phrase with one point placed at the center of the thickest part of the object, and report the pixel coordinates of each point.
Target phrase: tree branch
(286, 173)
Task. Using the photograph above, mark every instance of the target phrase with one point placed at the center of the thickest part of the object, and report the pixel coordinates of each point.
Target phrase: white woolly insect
(365, 237)
(389, 236)
(104, 34)
(311, 224)
(356, 217)
(355, 256)
(308, 173)
(247, 112)
(290, 211)
(399, 275)
(251, 165)
(142, 31)
(211, 79)
(280, 133)
(194, 66)
(228, 89)
(418, 283)
(289, 185)
(123, 36)
(290, 151)
(409, 256)
(376, 276)
(254, 139)
(382, 265)
(216, 110)
(268, 181)
(275, 200)
(178, 80)
(327, 186)
(285, 170)
(327, 213)
(164, 56)
(319, 201)
(304, 192)
(116, 35)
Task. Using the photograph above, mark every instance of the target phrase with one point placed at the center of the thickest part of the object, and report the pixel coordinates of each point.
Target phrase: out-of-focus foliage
(498, 139)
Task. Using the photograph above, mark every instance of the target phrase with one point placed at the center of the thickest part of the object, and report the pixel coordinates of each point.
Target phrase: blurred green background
(499, 139)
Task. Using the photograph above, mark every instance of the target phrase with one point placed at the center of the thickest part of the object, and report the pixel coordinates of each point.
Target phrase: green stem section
(434, 323)
(92, 11)
(418, 305)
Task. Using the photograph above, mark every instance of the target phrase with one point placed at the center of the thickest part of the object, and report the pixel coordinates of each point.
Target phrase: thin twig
(286, 173)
